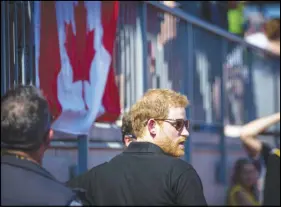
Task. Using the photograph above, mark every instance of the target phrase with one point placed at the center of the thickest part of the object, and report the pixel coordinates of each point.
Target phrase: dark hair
(236, 177)
(126, 127)
(238, 168)
(25, 119)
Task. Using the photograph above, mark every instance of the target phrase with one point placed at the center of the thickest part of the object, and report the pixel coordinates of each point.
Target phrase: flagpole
(83, 153)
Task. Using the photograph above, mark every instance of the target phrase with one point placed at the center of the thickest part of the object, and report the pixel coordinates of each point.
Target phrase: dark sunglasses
(177, 123)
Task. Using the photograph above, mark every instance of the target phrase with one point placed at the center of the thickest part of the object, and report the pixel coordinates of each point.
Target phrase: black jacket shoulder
(83, 180)
(26, 183)
(85, 183)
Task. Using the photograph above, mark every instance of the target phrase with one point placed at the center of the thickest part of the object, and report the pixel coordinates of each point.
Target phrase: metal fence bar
(17, 60)
(200, 23)
(83, 153)
(251, 113)
(31, 64)
(8, 47)
(23, 52)
(132, 39)
(3, 48)
(128, 54)
(120, 56)
(190, 83)
(143, 29)
(222, 144)
(276, 88)
(16, 45)
(141, 45)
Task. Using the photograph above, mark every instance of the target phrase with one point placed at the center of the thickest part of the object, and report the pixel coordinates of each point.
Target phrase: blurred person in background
(235, 88)
(266, 154)
(87, 179)
(254, 24)
(127, 130)
(235, 16)
(244, 179)
(25, 136)
(264, 34)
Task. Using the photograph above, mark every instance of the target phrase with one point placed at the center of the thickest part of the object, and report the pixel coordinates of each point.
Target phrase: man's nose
(185, 132)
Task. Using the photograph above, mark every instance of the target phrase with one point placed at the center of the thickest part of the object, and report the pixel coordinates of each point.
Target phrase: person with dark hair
(127, 130)
(25, 136)
(87, 180)
(268, 155)
(242, 189)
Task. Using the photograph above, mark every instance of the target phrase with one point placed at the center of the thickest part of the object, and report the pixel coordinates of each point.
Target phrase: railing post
(141, 46)
(222, 143)
(250, 97)
(31, 55)
(276, 89)
(190, 84)
(8, 47)
(16, 45)
(3, 48)
(83, 153)
(23, 46)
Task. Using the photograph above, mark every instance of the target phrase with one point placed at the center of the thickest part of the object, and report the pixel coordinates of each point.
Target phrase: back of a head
(25, 119)
(272, 29)
(154, 104)
(126, 127)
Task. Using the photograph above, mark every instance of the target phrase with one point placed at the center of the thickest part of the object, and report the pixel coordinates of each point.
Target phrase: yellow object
(276, 152)
(238, 188)
(236, 19)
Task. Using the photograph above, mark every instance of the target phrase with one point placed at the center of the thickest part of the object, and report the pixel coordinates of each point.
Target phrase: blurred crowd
(264, 34)
(233, 16)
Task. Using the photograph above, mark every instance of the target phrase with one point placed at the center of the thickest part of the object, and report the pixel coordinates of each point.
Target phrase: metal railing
(162, 47)
(226, 80)
(17, 44)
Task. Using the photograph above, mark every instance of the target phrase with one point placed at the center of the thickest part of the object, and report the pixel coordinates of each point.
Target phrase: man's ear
(151, 125)
(49, 137)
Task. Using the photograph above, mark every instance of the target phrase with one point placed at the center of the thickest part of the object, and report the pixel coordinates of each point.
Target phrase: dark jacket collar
(12, 160)
(143, 147)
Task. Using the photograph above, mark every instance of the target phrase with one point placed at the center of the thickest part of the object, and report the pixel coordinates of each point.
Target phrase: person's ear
(152, 127)
(49, 137)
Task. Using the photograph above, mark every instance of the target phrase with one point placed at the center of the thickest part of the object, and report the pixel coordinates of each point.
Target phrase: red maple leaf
(79, 47)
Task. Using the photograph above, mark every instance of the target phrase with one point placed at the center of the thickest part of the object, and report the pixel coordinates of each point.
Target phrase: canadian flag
(73, 46)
